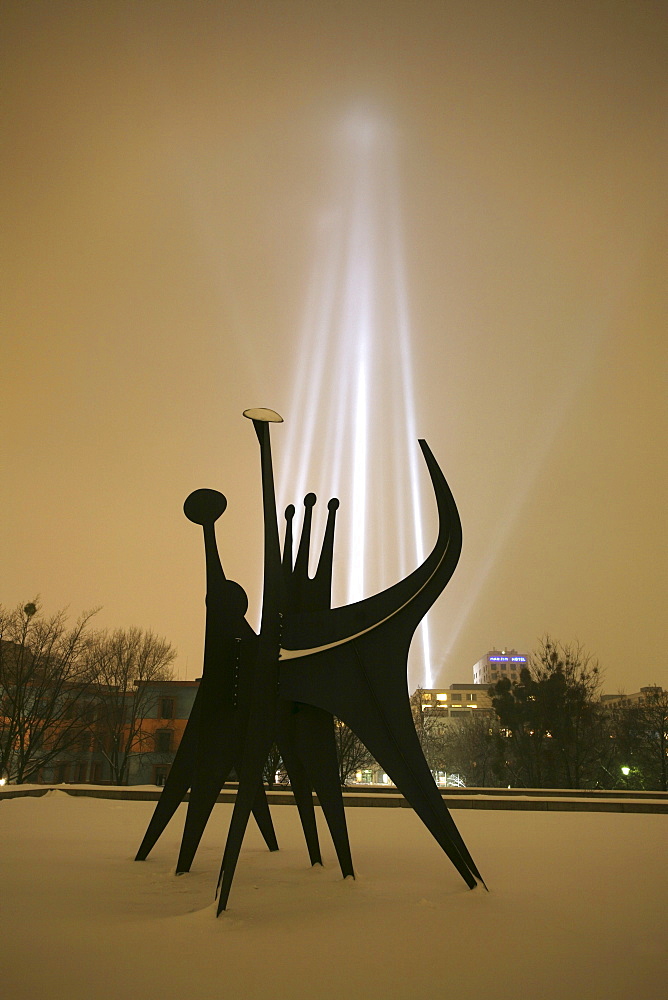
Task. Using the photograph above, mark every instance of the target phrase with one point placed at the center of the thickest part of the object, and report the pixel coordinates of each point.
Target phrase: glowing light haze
(385, 220)
(354, 381)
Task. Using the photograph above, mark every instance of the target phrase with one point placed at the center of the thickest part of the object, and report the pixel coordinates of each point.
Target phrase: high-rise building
(499, 663)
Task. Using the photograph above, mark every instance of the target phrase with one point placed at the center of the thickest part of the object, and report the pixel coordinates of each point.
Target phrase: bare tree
(641, 736)
(473, 747)
(124, 666)
(274, 772)
(431, 728)
(352, 754)
(44, 686)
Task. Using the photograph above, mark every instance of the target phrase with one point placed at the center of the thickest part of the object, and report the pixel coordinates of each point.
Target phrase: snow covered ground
(577, 908)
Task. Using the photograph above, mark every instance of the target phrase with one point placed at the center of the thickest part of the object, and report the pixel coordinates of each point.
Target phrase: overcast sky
(385, 220)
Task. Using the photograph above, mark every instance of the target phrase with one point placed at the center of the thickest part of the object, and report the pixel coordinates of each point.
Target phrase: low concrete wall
(525, 799)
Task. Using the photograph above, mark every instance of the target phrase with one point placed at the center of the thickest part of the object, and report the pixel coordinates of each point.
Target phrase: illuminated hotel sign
(505, 659)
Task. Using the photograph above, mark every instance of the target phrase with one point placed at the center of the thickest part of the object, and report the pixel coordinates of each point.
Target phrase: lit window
(441, 697)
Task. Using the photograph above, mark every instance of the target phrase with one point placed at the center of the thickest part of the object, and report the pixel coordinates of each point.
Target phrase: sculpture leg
(262, 817)
(250, 781)
(362, 686)
(203, 795)
(433, 812)
(178, 782)
(302, 788)
(316, 745)
(397, 750)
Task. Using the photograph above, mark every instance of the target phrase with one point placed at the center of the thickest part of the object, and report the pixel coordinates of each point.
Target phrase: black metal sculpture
(309, 663)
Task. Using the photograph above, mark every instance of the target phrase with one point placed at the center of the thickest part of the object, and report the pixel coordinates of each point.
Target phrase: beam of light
(594, 330)
(408, 415)
(359, 491)
(351, 427)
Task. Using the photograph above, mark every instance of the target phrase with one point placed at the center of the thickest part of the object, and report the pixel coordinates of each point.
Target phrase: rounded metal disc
(260, 413)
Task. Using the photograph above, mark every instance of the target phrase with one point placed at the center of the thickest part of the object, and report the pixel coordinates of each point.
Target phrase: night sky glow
(385, 220)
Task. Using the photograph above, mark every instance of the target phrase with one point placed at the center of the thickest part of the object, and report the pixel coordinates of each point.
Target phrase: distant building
(445, 707)
(456, 701)
(499, 663)
(163, 728)
(620, 700)
(165, 714)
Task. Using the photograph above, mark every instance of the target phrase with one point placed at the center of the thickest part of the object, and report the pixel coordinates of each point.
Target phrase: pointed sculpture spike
(322, 581)
(304, 550)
